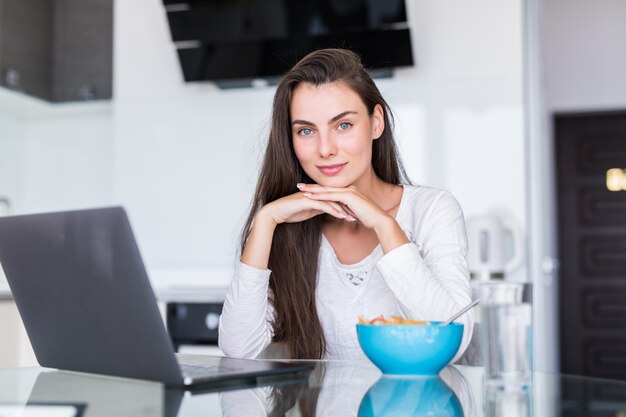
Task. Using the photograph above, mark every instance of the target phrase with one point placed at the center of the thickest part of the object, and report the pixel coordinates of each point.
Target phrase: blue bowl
(410, 397)
(404, 349)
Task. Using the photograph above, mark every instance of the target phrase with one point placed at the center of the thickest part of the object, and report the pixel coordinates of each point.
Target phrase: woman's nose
(327, 146)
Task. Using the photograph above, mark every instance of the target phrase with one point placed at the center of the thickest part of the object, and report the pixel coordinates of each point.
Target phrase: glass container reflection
(499, 403)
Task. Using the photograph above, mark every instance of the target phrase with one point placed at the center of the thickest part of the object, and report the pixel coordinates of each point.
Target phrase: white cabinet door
(15, 351)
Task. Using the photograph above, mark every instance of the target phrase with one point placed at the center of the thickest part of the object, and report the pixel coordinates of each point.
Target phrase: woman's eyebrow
(331, 121)
(302, 122)
(340, 115)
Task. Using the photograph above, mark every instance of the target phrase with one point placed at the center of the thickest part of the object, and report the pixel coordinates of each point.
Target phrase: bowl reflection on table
(410, 397)
(410, 349)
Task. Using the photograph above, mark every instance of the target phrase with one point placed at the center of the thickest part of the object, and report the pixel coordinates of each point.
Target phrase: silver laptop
(84, 296)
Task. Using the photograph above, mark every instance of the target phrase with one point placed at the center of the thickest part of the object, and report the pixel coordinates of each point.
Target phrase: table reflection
(333, 389)
(346, 389)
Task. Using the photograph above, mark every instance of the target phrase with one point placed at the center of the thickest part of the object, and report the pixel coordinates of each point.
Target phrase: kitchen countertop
(170, 285)
(191, 284)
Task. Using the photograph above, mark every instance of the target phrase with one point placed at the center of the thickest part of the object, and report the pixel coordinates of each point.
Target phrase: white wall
(182, 157)
(54, 157)
(185, 171)
(186, 154)
(67, 162)
(585, 54)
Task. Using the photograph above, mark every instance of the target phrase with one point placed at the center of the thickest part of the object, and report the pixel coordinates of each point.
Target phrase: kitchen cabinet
(59, 50)
(15, 349)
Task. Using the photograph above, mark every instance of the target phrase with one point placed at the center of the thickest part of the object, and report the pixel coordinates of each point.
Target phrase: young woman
(336, 230)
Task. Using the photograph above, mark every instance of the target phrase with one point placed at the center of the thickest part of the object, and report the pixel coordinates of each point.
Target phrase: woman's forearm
(390, 235)
(244, 329)
(256, 252)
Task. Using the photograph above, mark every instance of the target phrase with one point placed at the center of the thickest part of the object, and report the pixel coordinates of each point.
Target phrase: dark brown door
(592, 242)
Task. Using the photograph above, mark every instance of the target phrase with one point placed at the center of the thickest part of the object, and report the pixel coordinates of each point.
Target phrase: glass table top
(332, 389)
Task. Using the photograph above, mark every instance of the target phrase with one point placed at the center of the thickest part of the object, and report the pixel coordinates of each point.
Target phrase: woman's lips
(331, 170)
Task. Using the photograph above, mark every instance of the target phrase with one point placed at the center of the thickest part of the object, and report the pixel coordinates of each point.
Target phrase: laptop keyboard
(198, 371)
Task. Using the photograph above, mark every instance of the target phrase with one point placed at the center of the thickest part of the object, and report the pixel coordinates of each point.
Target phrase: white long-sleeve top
(426, 279)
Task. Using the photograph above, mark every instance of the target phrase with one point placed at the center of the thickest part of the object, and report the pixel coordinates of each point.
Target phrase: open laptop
(84, 296)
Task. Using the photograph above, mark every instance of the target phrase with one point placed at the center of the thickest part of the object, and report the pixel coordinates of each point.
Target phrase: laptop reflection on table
(70, 394)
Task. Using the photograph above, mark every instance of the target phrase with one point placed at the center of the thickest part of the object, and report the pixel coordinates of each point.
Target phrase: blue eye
(344, 125)
(305, 132)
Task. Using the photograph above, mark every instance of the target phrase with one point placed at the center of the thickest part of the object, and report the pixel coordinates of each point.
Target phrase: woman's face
(333, 133)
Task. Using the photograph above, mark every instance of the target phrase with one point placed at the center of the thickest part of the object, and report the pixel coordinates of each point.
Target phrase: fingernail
(352, 219)
(300, 185)
(342, 215)
(308, 194)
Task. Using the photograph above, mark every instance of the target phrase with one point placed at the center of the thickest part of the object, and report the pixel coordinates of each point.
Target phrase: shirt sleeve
(245, 328)
(430, 278)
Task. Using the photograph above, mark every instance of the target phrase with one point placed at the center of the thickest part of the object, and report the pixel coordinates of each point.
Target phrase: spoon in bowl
(460, 312)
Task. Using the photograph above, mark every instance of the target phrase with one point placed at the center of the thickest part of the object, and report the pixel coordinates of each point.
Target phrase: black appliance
(233, 42)
(193, 323)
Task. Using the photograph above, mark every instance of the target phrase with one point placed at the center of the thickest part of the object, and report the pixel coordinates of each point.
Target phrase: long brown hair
(295, 247)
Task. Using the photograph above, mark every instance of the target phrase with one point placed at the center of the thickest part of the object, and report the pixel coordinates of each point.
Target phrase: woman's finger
(349, 212)
(316, 188)
(331, 196)
(335, 209)
(341, 210)
(329, 207)
(345, 200)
